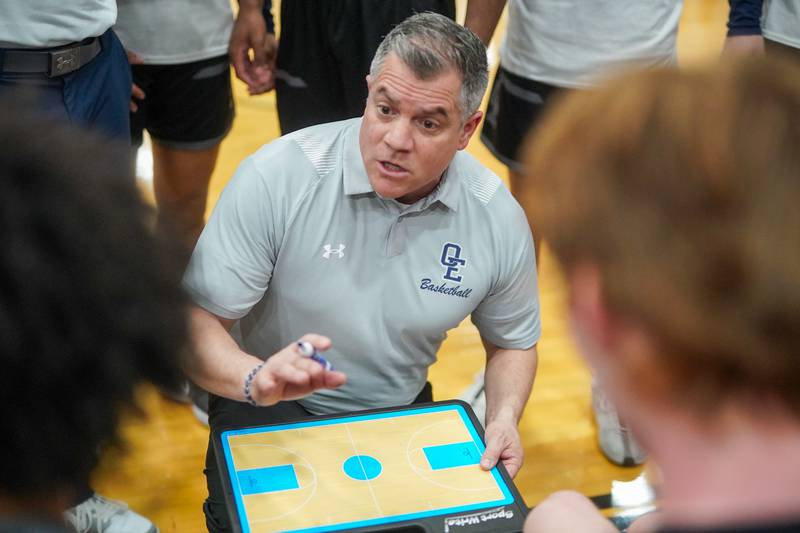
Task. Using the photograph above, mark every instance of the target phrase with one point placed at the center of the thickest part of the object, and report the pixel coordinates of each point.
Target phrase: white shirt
(169, 32)
(50, 23)
(574, 43)
(780, 21)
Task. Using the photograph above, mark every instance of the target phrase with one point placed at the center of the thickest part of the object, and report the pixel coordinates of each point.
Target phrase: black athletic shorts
(325, 53)
(187, 106)
(514, 107)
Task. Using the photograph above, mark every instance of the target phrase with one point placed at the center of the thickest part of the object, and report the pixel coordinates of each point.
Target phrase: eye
(384, 109)
(429, 124)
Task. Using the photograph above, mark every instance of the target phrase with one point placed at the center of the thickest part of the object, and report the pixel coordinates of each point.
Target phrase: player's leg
(615, 439)
(354, 34)
(180, 183)
(567, 512)
(189, 112)
(307, 86)
(515, 105)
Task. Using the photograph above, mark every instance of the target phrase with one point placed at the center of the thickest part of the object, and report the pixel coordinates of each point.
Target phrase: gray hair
(429, 44)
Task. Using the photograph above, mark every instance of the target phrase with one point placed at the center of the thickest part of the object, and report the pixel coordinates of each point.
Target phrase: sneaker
(102, 515)
(475, 396)
(179, 394)
(616, 441)
(199, 399)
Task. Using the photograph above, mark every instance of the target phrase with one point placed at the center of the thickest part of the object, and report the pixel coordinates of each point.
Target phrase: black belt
(52, 61)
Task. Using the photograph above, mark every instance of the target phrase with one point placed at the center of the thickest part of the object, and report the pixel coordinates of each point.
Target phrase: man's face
(411, 130)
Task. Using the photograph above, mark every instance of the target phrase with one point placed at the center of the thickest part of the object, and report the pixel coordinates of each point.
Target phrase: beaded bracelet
(248, 382)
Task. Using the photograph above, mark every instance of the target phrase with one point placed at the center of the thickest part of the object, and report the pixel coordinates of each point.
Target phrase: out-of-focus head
(90, 305)
(680, 190)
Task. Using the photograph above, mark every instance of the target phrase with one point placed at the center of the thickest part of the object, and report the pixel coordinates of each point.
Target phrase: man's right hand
(288, 375)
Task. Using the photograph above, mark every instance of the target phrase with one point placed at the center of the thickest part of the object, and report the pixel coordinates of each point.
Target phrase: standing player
(555, 45)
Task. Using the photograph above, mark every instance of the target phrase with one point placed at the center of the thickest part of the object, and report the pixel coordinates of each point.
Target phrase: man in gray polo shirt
(380, 233)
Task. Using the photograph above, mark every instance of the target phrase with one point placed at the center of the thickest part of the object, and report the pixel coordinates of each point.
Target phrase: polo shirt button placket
(397, 238)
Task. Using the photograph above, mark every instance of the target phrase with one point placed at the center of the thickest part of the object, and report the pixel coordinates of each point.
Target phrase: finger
(259, 54)
(240, 62)
(314, 370)
(320, 342)
(137, 92)
(288, 373)
(512, 466)
(334, 379)
(491, 455)
(134, 58)
(133, 107)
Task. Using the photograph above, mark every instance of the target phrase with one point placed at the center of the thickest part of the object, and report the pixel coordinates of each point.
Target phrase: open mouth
(391, 168)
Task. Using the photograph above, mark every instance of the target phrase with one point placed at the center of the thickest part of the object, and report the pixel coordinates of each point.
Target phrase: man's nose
(399, 137)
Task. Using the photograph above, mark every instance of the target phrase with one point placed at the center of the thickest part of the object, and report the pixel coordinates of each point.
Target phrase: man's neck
(746, 470)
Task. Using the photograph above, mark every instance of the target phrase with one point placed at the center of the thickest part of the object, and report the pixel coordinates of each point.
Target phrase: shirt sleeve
(744, 17)
(509, 316)
(231, 266)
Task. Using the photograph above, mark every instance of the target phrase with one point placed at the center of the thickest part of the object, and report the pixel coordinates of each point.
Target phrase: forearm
(215, 362)
(482, 17)
(508, 380)
(248, 5)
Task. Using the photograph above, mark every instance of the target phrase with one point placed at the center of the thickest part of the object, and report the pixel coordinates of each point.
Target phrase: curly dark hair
(90, 301)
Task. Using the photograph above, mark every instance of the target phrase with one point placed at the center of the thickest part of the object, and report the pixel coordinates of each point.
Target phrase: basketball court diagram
(357, 471)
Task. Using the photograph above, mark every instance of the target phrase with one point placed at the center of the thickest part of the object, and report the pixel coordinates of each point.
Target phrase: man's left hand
(502, 444)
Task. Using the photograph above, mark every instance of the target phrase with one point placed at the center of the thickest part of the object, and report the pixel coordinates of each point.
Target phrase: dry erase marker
(307, 350)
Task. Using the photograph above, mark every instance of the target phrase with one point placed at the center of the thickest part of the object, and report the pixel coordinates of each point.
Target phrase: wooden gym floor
(161, 476)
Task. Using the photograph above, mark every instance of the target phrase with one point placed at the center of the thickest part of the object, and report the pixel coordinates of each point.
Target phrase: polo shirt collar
(355, 175)
(356, 180)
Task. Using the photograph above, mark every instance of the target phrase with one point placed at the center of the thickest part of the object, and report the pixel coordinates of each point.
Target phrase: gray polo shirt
(299, 242)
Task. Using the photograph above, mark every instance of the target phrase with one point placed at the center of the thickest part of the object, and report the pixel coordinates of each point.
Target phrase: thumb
(491, 455)
(257, 45)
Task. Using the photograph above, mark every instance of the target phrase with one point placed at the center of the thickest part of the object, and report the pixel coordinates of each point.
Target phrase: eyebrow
(438, 110)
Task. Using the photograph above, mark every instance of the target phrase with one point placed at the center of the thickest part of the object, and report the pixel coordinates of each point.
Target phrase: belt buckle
(63, 62)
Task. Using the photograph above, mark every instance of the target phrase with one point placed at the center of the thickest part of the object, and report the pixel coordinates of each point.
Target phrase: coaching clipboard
(407, 469)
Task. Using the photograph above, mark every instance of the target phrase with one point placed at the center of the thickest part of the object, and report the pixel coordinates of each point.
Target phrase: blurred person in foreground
(671, 201)
(90, 306)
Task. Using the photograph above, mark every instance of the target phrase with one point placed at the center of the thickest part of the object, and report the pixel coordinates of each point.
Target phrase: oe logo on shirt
(452, 261)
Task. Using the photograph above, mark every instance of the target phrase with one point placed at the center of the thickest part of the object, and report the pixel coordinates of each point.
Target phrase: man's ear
(469, 127)
(369, 82)
(587, 305)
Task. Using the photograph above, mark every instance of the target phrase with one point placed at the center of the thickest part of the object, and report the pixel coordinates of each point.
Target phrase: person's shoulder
(482, 187)
(303, 156)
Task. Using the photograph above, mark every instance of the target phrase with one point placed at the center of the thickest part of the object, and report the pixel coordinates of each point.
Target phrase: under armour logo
(328, 251)
(66, 62)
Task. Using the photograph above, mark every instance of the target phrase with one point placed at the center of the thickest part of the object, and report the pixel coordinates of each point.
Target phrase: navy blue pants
(96, 96)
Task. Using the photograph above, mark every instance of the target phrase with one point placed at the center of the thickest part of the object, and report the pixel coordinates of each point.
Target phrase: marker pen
(308, 350)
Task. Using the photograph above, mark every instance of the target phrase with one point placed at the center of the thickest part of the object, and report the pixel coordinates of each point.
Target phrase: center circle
(362, 467)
